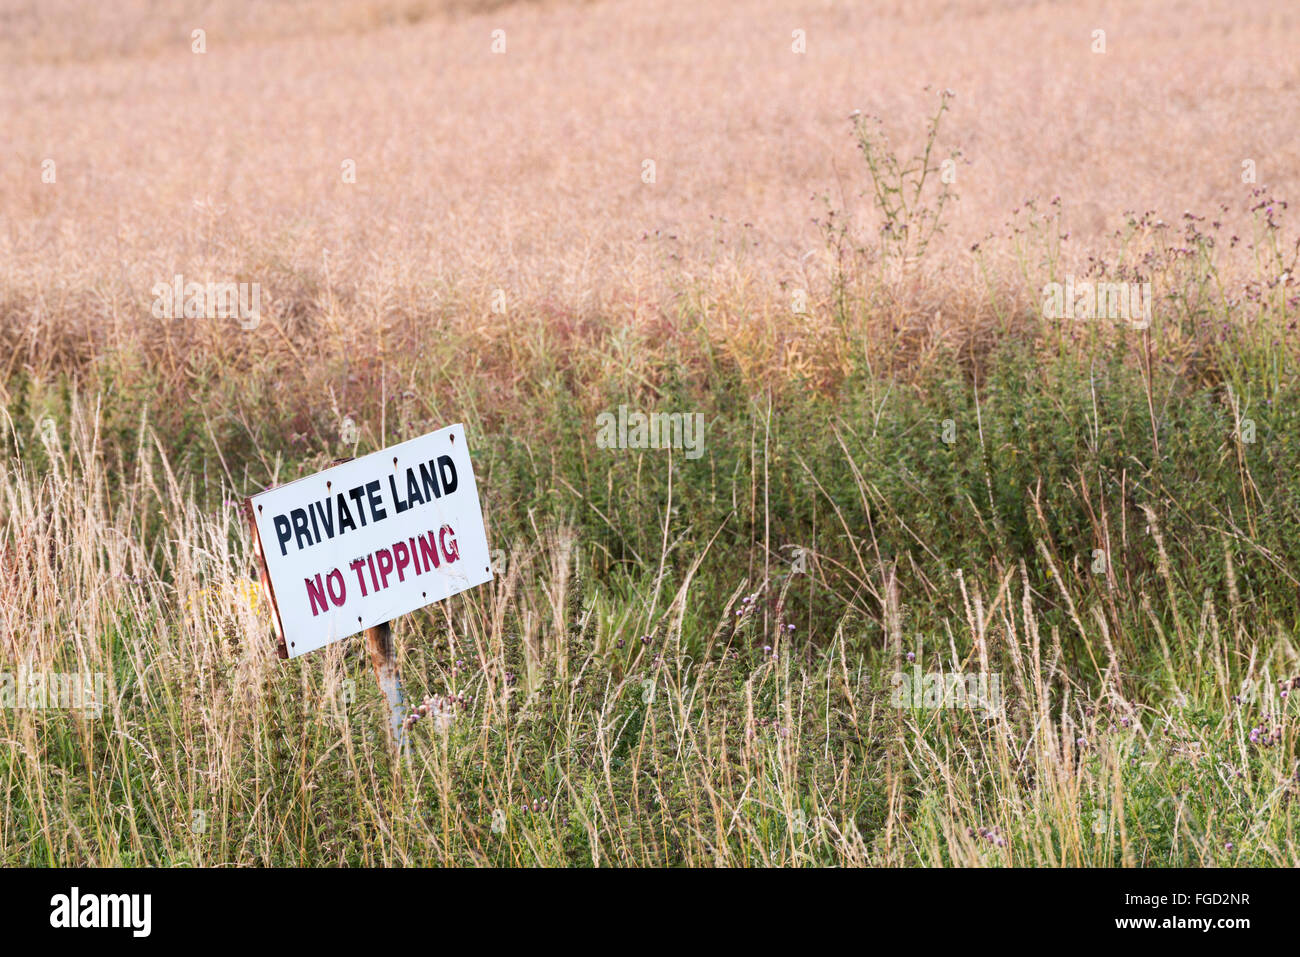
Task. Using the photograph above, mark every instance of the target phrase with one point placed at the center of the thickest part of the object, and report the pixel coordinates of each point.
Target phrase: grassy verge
(687, 660)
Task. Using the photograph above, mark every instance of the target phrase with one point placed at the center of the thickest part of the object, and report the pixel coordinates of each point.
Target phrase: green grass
(1120, 741)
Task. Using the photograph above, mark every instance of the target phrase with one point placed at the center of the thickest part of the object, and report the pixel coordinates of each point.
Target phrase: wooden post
(383, 656)
(384, 659)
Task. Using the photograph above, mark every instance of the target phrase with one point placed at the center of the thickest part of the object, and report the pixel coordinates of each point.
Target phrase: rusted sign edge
(282, 650)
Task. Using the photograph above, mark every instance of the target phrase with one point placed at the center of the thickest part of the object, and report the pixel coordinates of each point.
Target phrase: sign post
(351, 548)
(384, 661)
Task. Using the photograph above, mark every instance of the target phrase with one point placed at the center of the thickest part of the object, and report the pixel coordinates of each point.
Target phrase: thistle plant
(910, 194)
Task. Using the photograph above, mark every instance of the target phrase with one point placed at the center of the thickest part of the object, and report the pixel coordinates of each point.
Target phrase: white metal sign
(363, 542)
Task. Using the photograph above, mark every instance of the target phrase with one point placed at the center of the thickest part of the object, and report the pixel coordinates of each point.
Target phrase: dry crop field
(983, 554)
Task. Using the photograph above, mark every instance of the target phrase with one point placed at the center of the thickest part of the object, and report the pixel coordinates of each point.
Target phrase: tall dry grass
(566, 737)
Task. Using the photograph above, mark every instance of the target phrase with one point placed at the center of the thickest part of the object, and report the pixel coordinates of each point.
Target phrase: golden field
(522, 170)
